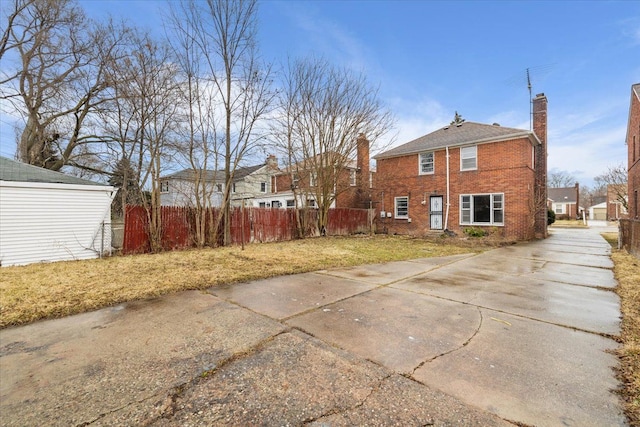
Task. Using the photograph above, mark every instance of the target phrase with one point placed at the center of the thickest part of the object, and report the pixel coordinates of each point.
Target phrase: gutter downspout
(446, 217)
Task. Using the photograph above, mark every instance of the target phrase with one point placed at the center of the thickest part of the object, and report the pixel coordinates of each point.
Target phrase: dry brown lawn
(570, 223)
(41, 291)
(627, 273)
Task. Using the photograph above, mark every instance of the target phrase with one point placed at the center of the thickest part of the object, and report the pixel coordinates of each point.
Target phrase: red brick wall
(503, 167)
(633, 148)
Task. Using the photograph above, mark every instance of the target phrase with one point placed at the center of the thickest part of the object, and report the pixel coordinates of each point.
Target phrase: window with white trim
(482, 209)
(219, 188)
(402, 207)
(164, 186)
(559, 208)
(263, 187)
(352, 177)
(469, 158)
(426, 163)
(291, 203)
(313, 179)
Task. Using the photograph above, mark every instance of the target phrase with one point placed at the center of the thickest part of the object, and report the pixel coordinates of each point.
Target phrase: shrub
(551, 217)
(475, 232)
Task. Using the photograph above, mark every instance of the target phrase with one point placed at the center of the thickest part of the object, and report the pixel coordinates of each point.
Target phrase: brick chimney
(540, 190)
(272, 161)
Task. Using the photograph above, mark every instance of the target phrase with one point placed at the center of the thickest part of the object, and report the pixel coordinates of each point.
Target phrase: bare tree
(201, 148)
(225, 32)
(559, 179)
(140, 119)
(324, 109)
(614, 180)
(58, 80)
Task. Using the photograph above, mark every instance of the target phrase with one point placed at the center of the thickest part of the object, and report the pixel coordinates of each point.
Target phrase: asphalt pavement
(517, 335)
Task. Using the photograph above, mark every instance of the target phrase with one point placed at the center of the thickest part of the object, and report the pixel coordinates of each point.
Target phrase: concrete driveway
(520, 334)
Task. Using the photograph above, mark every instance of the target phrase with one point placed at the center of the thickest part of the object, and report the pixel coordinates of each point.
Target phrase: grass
(42, 291)
(570, 223)
(627, 273)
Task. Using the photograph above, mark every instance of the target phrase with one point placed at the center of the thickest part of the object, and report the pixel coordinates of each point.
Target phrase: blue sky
(431, 59)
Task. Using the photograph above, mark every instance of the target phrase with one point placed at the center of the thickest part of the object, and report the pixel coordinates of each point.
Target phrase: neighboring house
(467, 175)
(565, 201)
(354, 183)
(598, 212)
(179, 189)
(633, 153)
(49, 216)
(615, 207)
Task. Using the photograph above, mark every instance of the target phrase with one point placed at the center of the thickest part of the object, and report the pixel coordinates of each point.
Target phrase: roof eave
(530, 135)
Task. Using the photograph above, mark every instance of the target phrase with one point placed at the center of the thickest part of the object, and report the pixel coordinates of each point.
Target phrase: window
(291, 203)
(313, 181)
(402, 207)
(219, 188)
(559, 208)
(468, 158)
(352, 177)
(164, 186)
(276, 204)
(263, 187)
(294, 181)
(482, 209)
(233, 188)
(426, 163)
(311, 203)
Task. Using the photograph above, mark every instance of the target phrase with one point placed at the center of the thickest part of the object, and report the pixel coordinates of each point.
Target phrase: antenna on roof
(539, 72)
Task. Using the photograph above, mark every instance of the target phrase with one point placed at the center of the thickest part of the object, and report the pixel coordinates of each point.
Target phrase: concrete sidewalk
(517, 334)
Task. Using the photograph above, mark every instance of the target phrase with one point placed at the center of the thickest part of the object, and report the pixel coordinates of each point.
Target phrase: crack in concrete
(168, 407)
(464, 344)
(337, 411)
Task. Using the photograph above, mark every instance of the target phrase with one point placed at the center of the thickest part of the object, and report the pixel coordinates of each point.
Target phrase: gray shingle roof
(211, 175)
(11, 170)
(562, 194)
(457, 135)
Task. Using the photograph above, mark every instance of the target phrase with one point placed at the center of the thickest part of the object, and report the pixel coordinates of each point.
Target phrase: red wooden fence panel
(175, 228)
(136, 236)
(249, 224)
(345, 221)
(273, 225)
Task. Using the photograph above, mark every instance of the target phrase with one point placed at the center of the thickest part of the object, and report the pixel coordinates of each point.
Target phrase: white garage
(49, 216)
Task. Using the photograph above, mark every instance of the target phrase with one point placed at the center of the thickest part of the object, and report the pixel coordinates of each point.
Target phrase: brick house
(351, 184)
(565, 201)
(633, 153)
(467, 175)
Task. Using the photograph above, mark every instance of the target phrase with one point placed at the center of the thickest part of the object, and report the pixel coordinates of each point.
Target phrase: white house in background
(178, 189)
(49, 216)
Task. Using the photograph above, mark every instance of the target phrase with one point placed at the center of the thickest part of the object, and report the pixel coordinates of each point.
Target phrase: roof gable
(11, 170)
(562, 194)
(212, 175)
(458, 135)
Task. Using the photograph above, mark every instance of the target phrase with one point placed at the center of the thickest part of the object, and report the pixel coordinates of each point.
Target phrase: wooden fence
(247, 225)
(630, 235)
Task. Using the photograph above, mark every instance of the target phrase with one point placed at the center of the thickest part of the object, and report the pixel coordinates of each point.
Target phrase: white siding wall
(52, 222)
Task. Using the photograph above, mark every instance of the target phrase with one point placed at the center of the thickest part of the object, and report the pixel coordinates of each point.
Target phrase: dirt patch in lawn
(40, 291)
